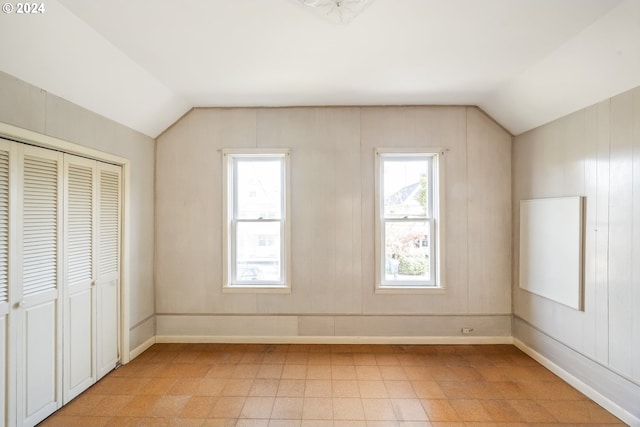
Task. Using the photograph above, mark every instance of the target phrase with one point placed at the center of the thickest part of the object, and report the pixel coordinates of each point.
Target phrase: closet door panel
(108, 327)
(40, 350)
(79, 333)
(3, 369)
(79, 273)
(5, 150)
(108, 268)
(39, 326)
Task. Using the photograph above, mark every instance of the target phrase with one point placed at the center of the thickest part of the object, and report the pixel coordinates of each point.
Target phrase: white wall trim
(247, 339)
(41, 140)
(125, 269)
(589, 391)
(142, 348)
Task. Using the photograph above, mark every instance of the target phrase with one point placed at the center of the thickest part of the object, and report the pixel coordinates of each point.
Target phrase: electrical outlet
(466, 331)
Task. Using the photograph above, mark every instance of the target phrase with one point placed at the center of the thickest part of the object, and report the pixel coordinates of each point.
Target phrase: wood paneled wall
(595, 153)
(332, 190)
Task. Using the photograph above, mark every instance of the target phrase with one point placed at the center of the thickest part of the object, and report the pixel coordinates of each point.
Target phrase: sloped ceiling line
(144, 63)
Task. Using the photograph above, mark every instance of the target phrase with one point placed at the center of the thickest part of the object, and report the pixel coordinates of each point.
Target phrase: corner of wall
(607, 388)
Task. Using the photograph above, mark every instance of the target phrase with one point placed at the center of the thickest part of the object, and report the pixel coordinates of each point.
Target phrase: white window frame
(435, 218)
(230, 283)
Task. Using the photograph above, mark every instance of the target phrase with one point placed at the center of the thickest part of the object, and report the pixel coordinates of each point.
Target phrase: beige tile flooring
(207, 385)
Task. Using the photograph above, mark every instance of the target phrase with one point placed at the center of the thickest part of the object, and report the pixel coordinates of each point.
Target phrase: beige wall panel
(317, 326)
(489, 222)
(416, 326)
(573, 146)
(189, 215)
(635, 250)
(325, 219)
(590, 139)
(621, 214)
(338, 130)
(180, 326)
(22, 104)
(601, 295)
(456, 213)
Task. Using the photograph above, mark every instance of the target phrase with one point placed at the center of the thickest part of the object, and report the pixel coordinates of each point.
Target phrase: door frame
(29, 137)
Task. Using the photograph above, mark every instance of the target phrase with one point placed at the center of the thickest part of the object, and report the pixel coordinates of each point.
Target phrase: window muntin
(406, 220)
(256, 232)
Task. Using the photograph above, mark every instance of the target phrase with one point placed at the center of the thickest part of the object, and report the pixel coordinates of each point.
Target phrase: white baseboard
(331, 340)
(141, 348)
(587, 390)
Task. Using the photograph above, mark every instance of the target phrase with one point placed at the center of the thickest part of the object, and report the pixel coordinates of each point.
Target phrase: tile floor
(207, 385)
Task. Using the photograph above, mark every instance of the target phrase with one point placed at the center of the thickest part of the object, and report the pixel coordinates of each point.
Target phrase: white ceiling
(144, 63)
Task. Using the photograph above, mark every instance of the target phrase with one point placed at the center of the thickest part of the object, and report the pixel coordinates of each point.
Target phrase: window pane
(406, 251)
(259, 188)
(258, 252)
(405, 187)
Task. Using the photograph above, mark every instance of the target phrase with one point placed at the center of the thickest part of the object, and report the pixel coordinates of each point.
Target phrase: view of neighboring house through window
(406, 212)
(256, 233)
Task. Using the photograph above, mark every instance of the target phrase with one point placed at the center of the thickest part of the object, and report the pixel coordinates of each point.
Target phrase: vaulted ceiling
(144, 63)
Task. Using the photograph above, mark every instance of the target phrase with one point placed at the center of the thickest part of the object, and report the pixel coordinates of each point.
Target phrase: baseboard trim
(141, 348)
(587, 390)
(331, 340)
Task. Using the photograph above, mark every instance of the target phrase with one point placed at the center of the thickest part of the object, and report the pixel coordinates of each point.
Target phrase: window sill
(248, 289)
(409, 290)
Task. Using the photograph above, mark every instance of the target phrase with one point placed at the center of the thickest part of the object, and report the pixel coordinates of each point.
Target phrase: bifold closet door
(60, 222)
(108, 266)
(79, 276)
(91, 272)
(5, 154)
(38, 313)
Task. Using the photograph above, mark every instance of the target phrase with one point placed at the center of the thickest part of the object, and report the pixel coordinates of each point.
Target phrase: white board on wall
(551, 249)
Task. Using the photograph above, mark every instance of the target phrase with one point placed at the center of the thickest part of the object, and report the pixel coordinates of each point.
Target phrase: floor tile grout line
(231, 358)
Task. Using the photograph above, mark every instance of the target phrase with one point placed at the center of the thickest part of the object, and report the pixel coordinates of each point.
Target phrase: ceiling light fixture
(337, 11)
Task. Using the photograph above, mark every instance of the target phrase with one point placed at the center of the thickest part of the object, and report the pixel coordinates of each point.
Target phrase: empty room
(310, 213)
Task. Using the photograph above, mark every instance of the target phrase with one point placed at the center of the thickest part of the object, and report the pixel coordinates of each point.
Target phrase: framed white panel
(551, 249)
(107, 335)
(40, 376)
(80, 372)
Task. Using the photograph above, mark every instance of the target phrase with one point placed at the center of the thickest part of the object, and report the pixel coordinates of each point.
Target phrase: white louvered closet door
(79, 276)
(5, 157)
(108, 265)
(39, 317)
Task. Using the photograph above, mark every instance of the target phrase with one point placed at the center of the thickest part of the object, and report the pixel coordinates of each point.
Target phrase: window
(256, 233)
(408, 212)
